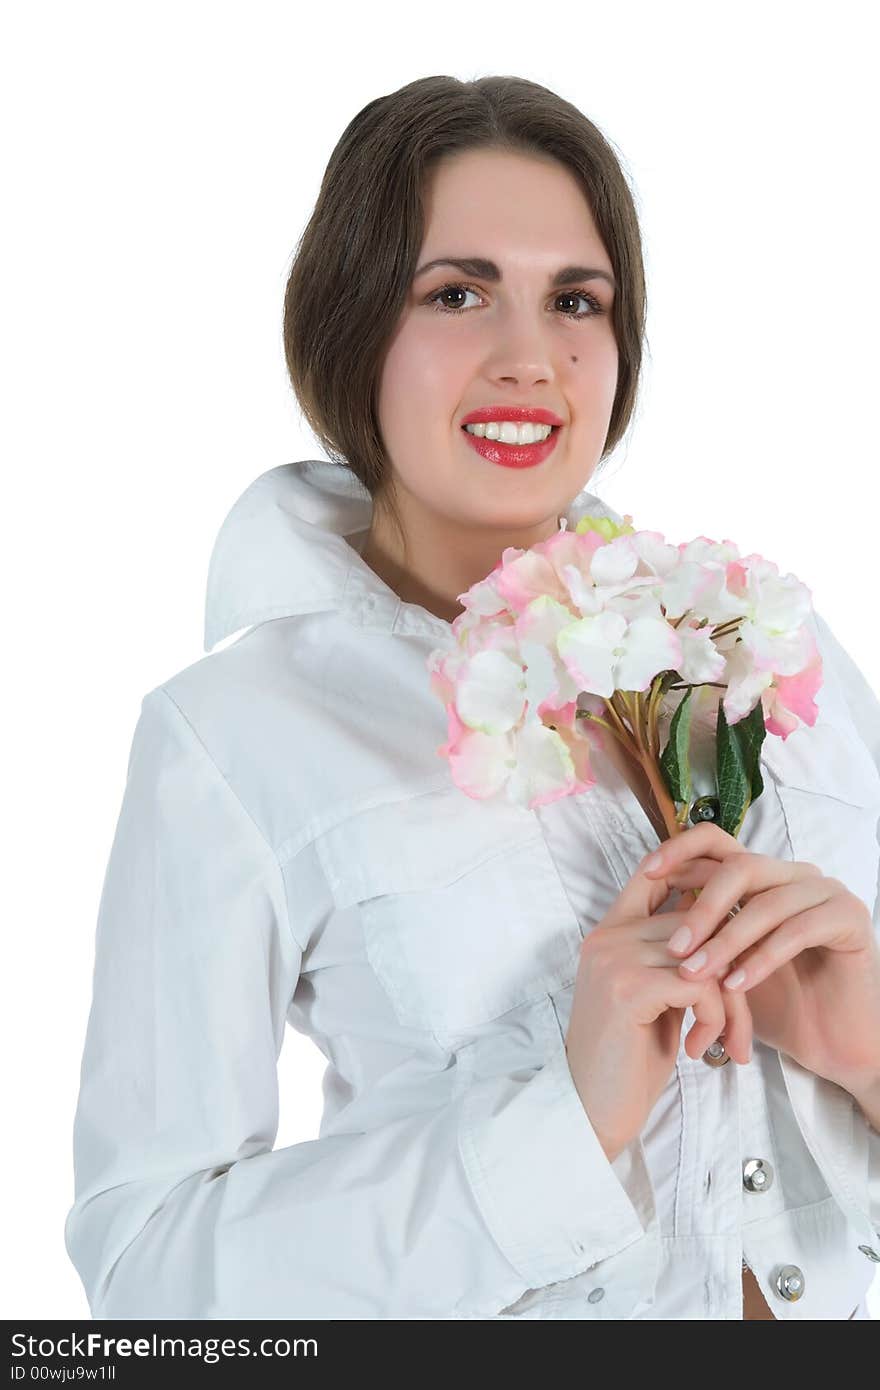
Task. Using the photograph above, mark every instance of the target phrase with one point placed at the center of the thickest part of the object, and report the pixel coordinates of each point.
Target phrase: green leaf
(675, 759)
(738, 750)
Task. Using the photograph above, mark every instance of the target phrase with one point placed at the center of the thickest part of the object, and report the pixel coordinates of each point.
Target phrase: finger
(716, 1013)
(639, 897)
(692, 874)
(764, 914)
(738, 1028)
(655, 991)
(692, 878)
(709, 1020)
(737, 883)
(658, 927)
(677, 901)
(707, 839)
(824, 924)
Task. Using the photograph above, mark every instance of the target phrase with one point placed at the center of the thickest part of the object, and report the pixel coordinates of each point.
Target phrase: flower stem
(634, 745)
(665, 803)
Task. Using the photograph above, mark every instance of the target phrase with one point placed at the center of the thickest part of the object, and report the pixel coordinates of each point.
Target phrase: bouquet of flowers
(687, 654)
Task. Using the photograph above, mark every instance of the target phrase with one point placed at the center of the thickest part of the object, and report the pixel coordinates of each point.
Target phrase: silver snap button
(716, 1054)
(790, 1283)
(757, 1175)
(595, 1295)
(871, 1254)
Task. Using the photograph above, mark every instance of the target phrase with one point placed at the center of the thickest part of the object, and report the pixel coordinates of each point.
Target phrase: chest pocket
(463, 912)
(829, 788)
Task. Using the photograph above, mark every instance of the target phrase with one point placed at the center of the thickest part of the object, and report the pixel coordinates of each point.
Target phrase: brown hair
(354, 263)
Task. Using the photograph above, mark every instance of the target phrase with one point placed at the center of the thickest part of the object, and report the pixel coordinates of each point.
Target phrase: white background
(160, 162)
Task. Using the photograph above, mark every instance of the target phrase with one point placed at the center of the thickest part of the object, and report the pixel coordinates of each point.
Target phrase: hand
(805, 950)
(628, 1008)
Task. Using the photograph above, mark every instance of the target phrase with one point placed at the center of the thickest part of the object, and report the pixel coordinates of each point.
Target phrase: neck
(439, 564)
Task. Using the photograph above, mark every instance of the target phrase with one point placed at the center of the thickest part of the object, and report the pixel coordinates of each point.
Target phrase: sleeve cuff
(547, 1191)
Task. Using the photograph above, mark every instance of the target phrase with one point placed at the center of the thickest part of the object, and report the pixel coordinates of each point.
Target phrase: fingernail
(696, 962)
(653, 863)
(681, 939)
(735, 980)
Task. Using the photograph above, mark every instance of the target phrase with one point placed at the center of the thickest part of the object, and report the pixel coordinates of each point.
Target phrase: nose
(521, 350)
(520, 364)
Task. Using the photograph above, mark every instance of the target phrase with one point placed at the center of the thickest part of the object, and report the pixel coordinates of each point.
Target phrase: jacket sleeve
(182, 1209)
(864, 707)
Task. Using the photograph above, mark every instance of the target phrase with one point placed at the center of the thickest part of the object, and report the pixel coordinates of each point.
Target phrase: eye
(596, 306)
(435, 300)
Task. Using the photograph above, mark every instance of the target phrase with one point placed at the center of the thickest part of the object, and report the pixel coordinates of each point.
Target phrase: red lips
(513, 455)
(538, 414)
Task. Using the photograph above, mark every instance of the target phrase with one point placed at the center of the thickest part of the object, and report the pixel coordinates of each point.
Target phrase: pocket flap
(464, 916)
(424, 841)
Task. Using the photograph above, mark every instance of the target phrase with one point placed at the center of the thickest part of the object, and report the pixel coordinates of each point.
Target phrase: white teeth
(509, 433)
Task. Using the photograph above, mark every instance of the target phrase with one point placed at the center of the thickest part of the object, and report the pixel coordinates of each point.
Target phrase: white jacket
(290, 848)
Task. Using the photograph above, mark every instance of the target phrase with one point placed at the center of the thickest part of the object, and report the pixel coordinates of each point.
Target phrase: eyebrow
(483, 269)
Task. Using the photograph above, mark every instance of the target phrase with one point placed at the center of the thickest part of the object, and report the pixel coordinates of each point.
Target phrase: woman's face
(518, 340)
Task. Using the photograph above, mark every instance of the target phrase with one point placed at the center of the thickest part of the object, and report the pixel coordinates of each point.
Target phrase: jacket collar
(292, 544)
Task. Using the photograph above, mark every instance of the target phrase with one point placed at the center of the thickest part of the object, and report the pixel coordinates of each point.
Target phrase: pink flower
(595, 628)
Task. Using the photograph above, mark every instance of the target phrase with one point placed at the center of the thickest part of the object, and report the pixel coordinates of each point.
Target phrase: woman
(503, 1134)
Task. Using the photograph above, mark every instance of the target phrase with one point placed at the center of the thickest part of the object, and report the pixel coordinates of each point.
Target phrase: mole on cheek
(574, 359)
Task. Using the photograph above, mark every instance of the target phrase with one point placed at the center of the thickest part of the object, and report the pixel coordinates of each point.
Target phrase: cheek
(594, 362)
(591, 381)
(609, 365)
(425, 380)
